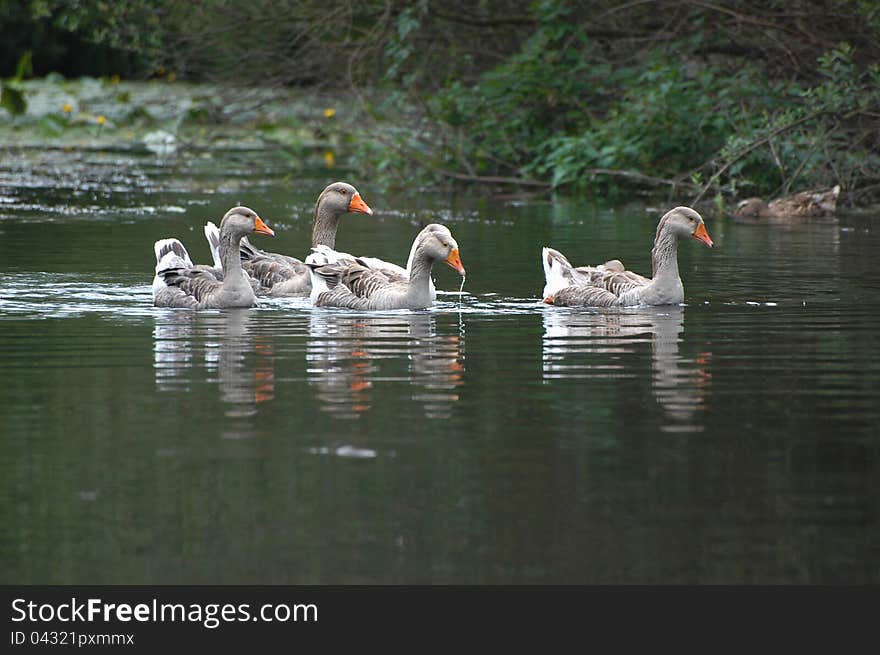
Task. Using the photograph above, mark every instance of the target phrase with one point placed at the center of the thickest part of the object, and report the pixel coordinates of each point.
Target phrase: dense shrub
(694, 97)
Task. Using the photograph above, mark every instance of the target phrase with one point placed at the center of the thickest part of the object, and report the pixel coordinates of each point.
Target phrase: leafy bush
(719, 98)
(568, 111)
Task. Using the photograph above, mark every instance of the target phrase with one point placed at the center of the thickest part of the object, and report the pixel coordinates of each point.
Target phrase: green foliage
(11, 97)
(400, 46)
(12, 100)
(560, 110)
(513, 110)
(816, 136)
(715, 98)
(52, 126)
(665, 122)
(25, 67)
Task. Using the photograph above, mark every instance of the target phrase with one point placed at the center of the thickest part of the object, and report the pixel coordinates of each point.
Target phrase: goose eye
(342, 191)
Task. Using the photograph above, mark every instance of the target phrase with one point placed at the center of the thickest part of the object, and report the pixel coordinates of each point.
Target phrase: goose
(611, 285)
(354, 285)
(325, 255)
(180, 283)
(280, 275)
(803, 204)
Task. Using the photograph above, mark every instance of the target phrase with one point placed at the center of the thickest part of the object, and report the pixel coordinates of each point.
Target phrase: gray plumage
(612, 275)
(585, 296)
(803, 204)
(275, 274)
(212, 234)
(356, 285)
(180, 283)
(568, 286)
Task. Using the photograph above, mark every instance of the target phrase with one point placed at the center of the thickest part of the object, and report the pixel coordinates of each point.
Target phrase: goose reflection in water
(592, 345)
(349, 355)
(241, 360)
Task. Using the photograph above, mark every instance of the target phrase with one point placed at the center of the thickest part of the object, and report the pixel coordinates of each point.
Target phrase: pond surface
(490, 439)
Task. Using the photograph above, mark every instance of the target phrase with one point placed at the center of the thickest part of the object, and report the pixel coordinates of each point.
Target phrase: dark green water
(490, 439)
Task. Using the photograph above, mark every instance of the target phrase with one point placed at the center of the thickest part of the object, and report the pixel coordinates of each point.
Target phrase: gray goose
(803, 204)
(280, 275)
(610, 285)
(179, 283)
(355, 285)
(325, 255)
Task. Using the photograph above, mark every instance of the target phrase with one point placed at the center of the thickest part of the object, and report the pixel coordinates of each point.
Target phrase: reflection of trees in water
(241, 360)
(345, 352)
(588, 345)
(798, 255)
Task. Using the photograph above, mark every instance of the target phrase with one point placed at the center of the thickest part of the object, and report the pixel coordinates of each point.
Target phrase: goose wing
(270, 270)
(196, 282)
(349, 284)
(583, 296)
(360, 280)
(324, 255)
(618, 282)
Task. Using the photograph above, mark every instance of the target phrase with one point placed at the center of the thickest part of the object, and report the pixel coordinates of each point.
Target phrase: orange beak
(549, 300)
(357, 204)
(700, 234)
(262, 228)
(454, 261)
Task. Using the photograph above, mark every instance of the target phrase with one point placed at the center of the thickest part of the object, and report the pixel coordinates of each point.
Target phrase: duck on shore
(806, 203)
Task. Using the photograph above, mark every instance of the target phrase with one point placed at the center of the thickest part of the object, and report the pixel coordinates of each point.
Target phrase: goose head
(341, 198)
(241, 221)
(750, 207)
(437, 243)
(685, 223)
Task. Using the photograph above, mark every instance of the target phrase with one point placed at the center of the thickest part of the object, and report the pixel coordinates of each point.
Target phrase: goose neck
(420, 268)
(230, 257)
(324, 226)
(664, 256)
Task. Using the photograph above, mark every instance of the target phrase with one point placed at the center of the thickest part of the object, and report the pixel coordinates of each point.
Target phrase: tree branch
(751, 146)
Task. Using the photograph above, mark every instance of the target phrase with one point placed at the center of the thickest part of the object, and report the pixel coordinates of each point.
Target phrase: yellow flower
(67, 108)
(329, 112)
(329, 159)
(101, 120)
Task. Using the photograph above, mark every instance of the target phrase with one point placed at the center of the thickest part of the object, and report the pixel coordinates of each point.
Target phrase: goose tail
(212, 234)
(557, 272)
(324, 255)
(324, 278)
(168, 248)
(170, 254)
